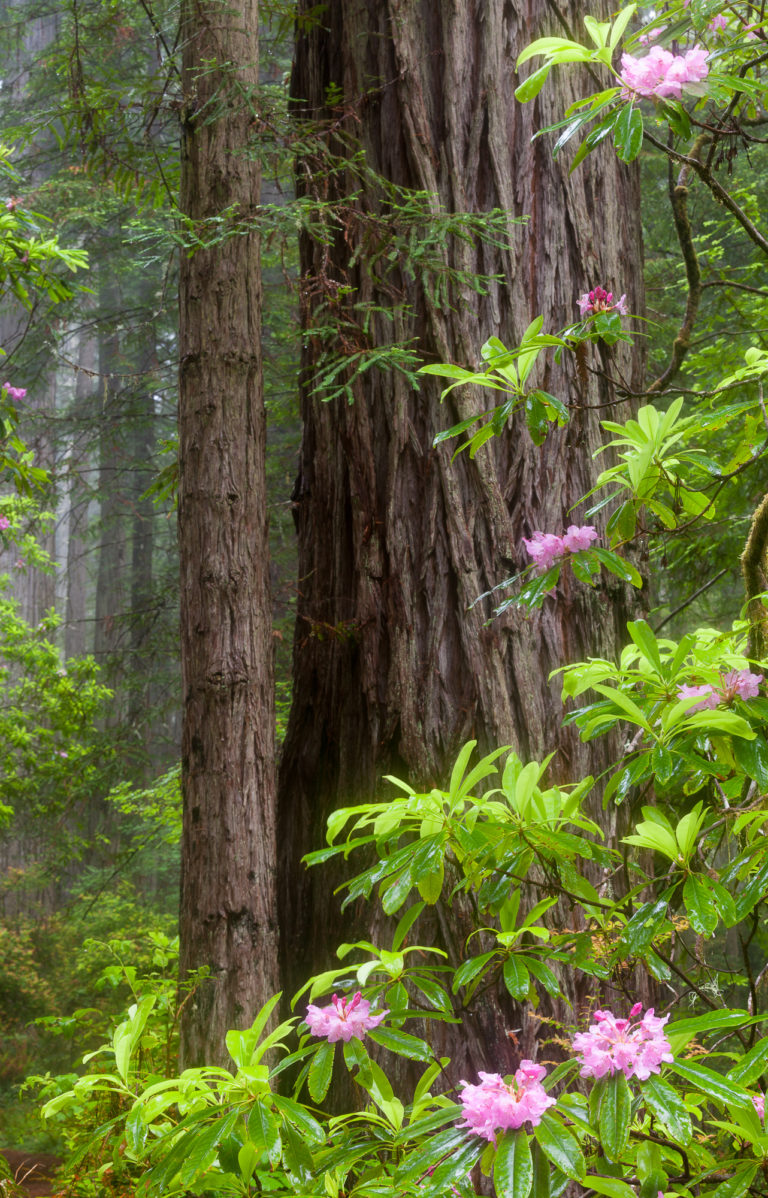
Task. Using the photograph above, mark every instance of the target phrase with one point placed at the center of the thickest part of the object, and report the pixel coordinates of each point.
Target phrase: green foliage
(32, 265)
(233, 1131)
(506, 371)
(676, 744)
(51, 751)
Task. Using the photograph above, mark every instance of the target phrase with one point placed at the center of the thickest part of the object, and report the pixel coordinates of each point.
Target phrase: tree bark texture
(228, 919)
(394, 664)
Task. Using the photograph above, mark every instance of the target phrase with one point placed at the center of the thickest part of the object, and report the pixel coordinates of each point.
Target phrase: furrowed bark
(395, 665)
(228, 922)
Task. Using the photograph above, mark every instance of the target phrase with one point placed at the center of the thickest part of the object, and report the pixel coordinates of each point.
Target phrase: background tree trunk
(142, 441)
(394, 666)
(228, 921)
(110, 576)
(79, 497)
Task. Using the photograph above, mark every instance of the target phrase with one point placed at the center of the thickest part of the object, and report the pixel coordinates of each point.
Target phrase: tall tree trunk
(394, 665)
(142, 441)
(228, 920)
(110, 580)
(78, 499)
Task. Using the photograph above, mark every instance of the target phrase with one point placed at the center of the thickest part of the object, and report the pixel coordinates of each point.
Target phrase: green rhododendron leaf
(532, 85)
(700, 904)
(516, 978)
(710, 1083)
(321, 1071)
(561, 1146)
(542, 1173)
(513, 1167)
(611, 1187)
(403, 1043)
(752, 757)
(614, 1117)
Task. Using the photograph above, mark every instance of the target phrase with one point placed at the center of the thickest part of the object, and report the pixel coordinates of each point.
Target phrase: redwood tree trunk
(228, 900)
(142, 441)
(394, 666)
(110, 578)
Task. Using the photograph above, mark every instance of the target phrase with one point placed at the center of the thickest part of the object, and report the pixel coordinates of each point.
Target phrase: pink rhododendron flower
(650, 35)
(740, 684)
(718, 23)
(736, 684)
(707, 695)
(495, 1105)
(577, 539)
(600, 300)
(4, 523)
(14, 392)
(343, 1019)
(758, 1102)
(662, 74)
(618, 1045)
(545, 548)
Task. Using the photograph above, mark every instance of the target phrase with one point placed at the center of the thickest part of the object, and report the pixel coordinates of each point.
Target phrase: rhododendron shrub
(670, 1092)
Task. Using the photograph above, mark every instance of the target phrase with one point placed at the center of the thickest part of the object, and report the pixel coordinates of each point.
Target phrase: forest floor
(33, 1171)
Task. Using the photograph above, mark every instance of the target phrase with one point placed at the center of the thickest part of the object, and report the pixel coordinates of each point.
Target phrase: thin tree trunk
(110, 579)
(78, 501)
(394, 664)
(228, 921)
(142, 441)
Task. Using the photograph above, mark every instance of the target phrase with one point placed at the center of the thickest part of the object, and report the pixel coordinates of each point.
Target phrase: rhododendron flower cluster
(740, 684)
(4, 523)
(758, 1102)
(343, 1019)
(706, 695)
(736, 684)
(650, 35)
(14, 392)
(662, 74)
(545, 547)
(495, 1105)
(620, 1046)
(600, 300)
